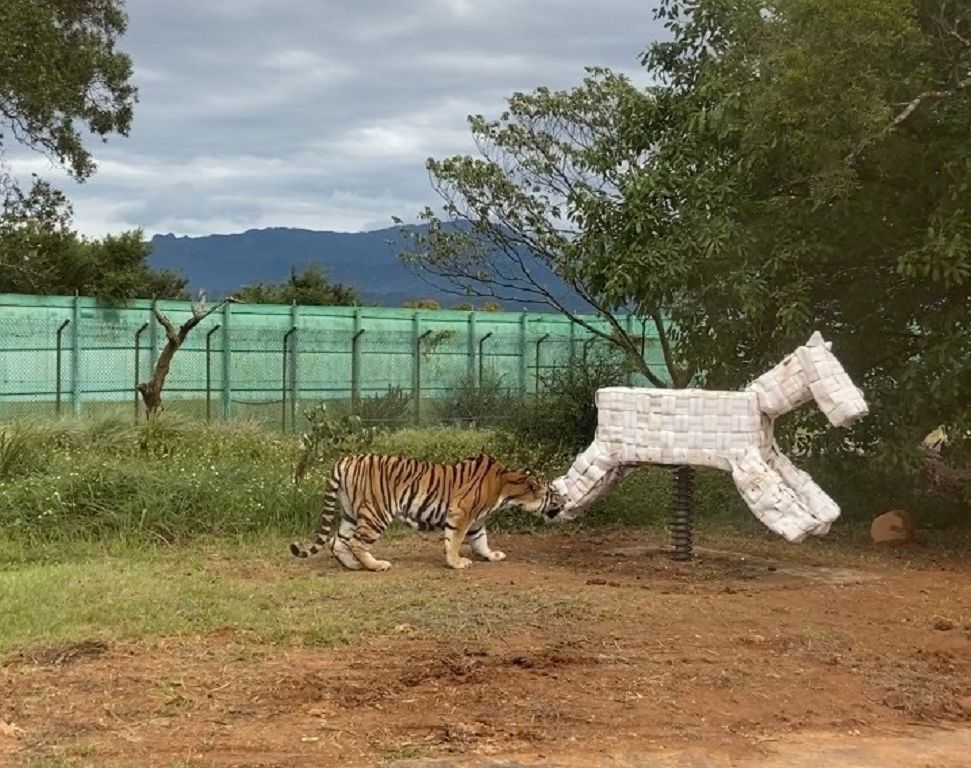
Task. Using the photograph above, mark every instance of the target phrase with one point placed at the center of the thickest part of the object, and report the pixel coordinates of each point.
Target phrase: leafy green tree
(35, 228)
(542, 160)
(310, 287)
(46, 255)
(798, 164)
(422, 304)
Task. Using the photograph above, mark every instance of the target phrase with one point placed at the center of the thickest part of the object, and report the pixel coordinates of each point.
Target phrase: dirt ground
(726, 652)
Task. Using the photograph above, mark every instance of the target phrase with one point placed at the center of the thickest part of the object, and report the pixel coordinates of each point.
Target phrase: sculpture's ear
(828, 345)
(816, 340)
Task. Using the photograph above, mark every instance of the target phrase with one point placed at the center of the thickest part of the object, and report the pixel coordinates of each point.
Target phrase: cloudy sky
(321, 113)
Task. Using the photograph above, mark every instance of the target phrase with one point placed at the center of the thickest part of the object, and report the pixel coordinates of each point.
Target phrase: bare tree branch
(906, 112)
(151, 390)
(662, 334)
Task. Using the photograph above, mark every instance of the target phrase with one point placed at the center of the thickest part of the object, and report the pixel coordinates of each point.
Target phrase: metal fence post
(573, 347)
(417, 384)
(294, 364)
(539, 343)
(356, 362)
(471, 352)
(283, 379)
(481, 342)
(586, 348)
(57, 371)
(138, 363)
(523, 319)
(76, 356)
(153, 336)
(415, 363)
(212, 330)
(227, 393)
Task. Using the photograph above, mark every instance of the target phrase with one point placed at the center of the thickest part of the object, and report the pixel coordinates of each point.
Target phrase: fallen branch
(151, 390)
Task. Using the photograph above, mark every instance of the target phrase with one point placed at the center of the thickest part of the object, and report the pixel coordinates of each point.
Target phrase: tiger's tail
(328, 507)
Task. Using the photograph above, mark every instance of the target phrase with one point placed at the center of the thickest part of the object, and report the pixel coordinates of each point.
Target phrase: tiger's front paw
(460, 564)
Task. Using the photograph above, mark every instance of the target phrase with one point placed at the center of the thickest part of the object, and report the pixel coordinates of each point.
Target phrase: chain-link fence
(65, 355)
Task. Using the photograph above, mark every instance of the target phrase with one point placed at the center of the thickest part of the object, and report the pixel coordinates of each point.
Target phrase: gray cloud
(320, 114)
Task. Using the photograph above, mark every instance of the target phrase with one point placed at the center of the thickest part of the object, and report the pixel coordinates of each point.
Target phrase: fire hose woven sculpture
(732, 431)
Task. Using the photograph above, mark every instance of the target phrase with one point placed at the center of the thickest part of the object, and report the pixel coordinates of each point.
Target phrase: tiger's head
(530, 493)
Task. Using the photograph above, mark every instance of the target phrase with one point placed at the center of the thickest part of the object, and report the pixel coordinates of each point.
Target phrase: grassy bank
(174, 480)
(67, 484)
(110, 531)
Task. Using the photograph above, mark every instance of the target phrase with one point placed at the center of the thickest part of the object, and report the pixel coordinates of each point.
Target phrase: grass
(254, 587)
(113, 531)
(58, 761)
(165, 481)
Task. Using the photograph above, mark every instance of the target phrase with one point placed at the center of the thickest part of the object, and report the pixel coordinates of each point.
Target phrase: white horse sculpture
(732, 431)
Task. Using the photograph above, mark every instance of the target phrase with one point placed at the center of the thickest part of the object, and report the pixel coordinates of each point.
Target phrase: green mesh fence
(66, 355)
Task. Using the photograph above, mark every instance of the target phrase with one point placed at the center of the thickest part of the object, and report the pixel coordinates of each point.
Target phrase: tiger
(374, 490)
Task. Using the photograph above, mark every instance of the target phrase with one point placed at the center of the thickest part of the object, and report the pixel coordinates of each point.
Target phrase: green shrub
(17, 452)
(393, 408)
(864, 488)
(565, 413)
(477, 401)
(646, 498)
(329, 436)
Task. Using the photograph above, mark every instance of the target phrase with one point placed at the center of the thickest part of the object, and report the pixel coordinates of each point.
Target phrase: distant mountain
(366, 260)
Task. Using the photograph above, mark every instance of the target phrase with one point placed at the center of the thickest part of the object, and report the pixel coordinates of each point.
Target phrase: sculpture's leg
(771, 500)
(593, 474)
(821, 506)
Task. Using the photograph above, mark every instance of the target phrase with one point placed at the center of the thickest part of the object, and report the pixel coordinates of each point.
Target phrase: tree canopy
(46, 255)
(61, 76)
(797, 165)
(310, 287)
(63, 82)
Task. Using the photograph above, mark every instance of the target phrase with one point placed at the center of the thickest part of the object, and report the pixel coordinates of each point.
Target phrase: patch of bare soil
(728, 651)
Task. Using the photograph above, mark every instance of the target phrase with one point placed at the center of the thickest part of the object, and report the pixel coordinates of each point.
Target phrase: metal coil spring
(682, 518)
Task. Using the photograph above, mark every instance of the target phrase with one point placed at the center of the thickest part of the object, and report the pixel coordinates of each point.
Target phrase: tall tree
(546, 158)
(798, 164)
(62, 80)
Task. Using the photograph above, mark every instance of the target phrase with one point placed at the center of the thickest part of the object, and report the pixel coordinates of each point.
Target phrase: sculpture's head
(530, 493)
(831, 387)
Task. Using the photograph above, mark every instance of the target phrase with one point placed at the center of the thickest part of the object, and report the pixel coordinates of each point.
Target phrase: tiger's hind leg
(345, 531)
(456, 526)
(368, 530)
(341, 550)
(479, 542)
